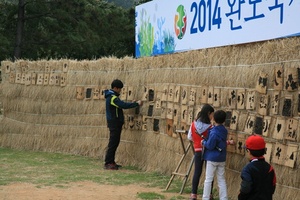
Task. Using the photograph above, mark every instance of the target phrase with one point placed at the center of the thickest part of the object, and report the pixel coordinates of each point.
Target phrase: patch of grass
(177, 197)
(58, 170)
(150, 195)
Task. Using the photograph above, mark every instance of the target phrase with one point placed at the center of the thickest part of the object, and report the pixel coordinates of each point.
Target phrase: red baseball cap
(255, 142)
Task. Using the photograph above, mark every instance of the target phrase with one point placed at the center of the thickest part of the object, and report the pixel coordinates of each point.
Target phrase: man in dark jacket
(115, 121)
(258, 176)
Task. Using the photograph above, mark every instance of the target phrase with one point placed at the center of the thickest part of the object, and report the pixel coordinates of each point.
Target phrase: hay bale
(49, 117)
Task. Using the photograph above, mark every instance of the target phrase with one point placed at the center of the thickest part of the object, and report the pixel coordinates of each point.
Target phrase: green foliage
(122, 3)
(7, 29)
(128, 3)
(9, 1)
(78, 29)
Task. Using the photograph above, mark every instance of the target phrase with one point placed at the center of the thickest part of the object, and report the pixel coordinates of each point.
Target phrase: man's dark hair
(220, 116)
(257, 153)
(117, 83)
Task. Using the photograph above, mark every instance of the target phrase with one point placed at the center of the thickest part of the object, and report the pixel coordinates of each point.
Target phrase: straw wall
(58, 106)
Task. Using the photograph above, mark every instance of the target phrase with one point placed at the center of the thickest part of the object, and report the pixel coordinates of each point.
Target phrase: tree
(138, 2)
(78, 29)
(122, 3)
(7, 28)
(20, 29)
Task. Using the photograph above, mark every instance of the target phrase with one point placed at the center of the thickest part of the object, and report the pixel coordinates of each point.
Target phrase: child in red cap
(258, 176)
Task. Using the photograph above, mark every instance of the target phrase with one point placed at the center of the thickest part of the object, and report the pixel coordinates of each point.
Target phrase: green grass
(58, 170)
(150, 195)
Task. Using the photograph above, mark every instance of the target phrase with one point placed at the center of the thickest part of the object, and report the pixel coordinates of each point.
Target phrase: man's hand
(140, 102)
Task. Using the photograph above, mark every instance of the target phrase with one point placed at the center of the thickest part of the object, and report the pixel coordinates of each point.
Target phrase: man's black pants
(114, 141)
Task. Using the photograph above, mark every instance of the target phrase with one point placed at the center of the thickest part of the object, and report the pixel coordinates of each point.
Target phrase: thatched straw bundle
(58, 105)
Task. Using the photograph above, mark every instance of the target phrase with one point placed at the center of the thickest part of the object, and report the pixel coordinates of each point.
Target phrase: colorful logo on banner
(180, 22)
(151, 41)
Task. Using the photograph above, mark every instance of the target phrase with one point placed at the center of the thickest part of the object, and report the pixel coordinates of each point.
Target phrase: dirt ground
(77, 191)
